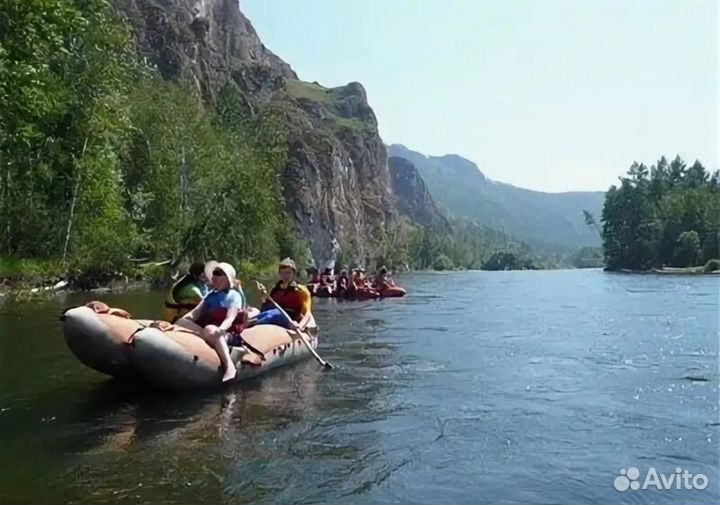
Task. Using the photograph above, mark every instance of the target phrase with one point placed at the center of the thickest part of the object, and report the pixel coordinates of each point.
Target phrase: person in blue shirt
(220, 317)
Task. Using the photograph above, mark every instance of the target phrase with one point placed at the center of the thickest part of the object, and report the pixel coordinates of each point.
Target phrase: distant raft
(361, 294)
(160, 354)
(393, 292)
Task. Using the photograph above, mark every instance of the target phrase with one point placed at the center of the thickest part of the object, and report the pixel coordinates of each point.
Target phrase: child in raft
(220, 317)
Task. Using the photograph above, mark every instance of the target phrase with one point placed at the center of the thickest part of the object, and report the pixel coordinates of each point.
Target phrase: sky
(552, 95)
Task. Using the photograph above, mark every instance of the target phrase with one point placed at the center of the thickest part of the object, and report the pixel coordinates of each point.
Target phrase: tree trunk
(6, 201)
(73, 202)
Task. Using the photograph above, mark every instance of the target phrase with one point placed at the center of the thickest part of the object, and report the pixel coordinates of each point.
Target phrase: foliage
(64, 70)
(465, 245)
(101, 161)
(442, 262)
(712, 265)
(667, 215)
(507, 260)
(591, 221)
(11, 268)
(587, 257)
(331, 100)
(310, 91)
(688, 248)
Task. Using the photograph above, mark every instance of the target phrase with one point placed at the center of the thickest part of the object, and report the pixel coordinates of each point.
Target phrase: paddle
(300, 334)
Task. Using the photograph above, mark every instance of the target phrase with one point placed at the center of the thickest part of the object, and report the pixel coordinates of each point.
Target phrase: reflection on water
(511, 386)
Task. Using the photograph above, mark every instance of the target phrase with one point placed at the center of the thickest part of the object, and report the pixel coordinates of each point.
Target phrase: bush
(442, 262)
(712, 265)
(30, 269)
(502, 260)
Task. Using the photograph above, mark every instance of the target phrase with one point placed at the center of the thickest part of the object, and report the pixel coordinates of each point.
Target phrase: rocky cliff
(413, 197)
(207, 42)
(336, 180)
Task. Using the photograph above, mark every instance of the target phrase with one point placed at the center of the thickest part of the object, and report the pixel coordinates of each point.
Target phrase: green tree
(644, 218)
(101, 161)
(688, 249)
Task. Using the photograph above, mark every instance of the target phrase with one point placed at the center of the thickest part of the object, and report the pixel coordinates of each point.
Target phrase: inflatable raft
(370, 294)
(393, 292)
(109, 341)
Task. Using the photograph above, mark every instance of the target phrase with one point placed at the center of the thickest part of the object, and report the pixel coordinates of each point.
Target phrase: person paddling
(294, 298)
(220, 317)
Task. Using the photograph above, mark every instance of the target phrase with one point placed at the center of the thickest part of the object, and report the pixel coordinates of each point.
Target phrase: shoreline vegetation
(30, 285)
(668, 271)
(23, 278)
(664, 219)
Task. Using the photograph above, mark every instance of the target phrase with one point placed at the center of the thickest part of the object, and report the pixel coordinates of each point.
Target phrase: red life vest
(217, 316)
(288, 298)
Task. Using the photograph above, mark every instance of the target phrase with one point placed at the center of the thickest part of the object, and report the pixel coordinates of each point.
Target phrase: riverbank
(712, 267)
(668, 271)
(30, 278)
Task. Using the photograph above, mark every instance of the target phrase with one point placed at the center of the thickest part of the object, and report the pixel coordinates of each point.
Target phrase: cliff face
(337, 184)
(208, 42)
(336, 181)
(414, 200)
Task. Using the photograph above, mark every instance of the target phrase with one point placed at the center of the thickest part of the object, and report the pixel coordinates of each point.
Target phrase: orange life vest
(288, 298)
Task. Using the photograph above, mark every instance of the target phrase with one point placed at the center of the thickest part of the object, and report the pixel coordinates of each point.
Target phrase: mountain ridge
(397, 147)
(551, 222)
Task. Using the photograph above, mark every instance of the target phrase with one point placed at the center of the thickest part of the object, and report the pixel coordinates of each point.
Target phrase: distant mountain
(550, 222)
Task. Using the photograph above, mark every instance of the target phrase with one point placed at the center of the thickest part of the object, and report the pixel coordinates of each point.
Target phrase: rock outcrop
(336, 181)
(209, 43)
(337, 184)
(413, 197)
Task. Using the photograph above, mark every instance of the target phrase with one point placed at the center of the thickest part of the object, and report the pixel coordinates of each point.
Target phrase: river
(505, 387)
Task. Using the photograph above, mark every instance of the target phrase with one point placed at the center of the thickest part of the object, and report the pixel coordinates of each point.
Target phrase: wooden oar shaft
(298, 332)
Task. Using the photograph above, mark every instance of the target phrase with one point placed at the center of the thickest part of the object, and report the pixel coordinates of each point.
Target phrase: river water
(505, 387)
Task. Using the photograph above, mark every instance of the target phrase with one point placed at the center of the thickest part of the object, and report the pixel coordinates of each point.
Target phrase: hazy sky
(546, 94)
